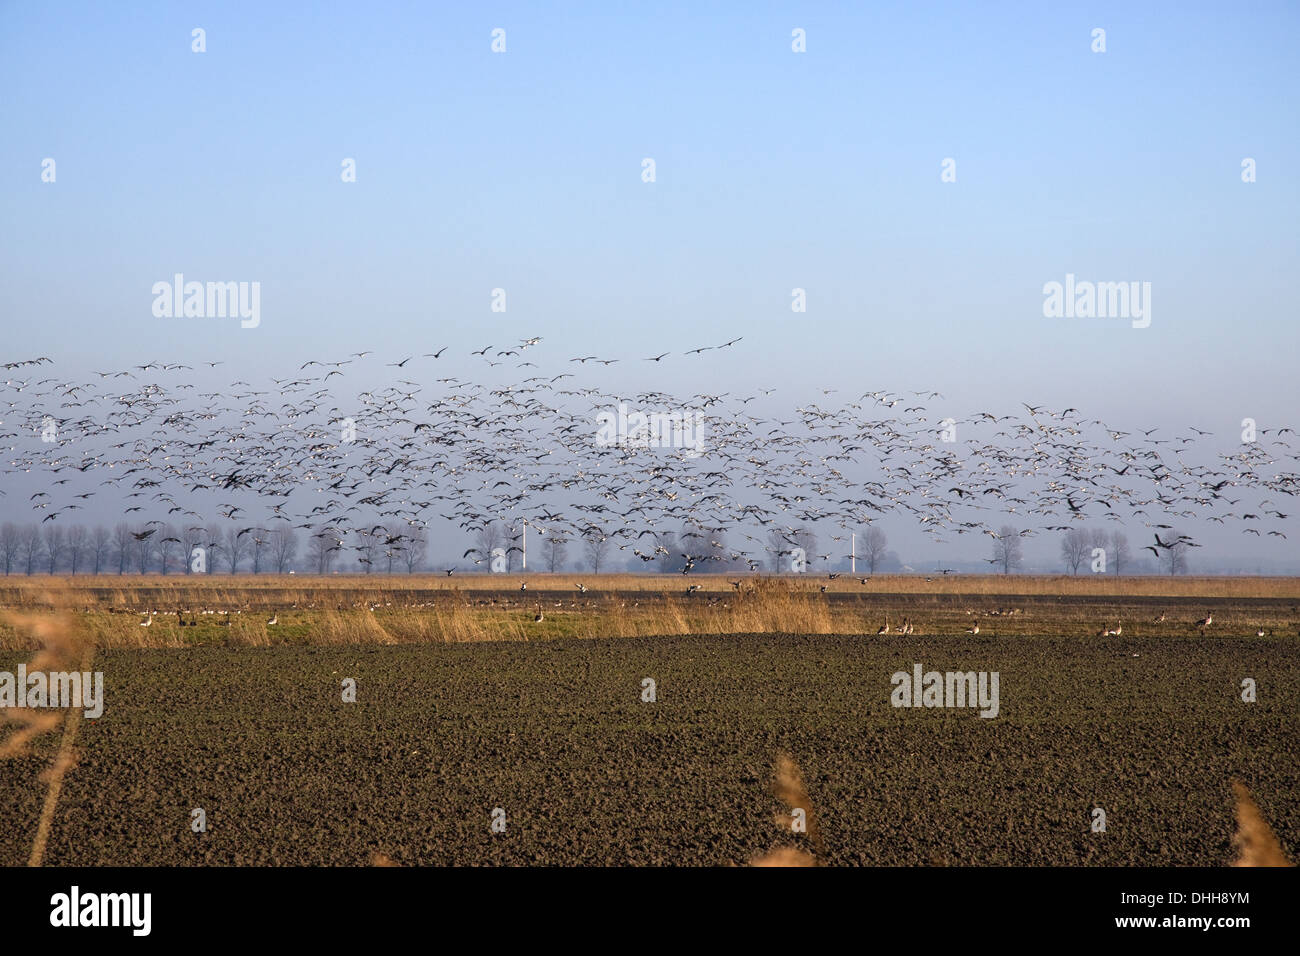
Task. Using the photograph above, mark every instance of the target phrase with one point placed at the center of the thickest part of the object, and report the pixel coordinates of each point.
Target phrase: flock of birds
(297, 451)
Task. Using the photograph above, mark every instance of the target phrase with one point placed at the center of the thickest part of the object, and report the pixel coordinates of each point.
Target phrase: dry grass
(61, 645)
(386, 610)
(278, 591)
(785, 856)
(789, 788)
(1255, 841)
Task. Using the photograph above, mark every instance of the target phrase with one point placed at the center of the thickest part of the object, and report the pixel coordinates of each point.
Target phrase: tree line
(157, 547)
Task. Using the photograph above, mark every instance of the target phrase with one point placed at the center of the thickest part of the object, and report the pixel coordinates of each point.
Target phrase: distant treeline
(157, 547)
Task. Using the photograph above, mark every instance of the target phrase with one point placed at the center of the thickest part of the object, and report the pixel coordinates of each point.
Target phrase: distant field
(235, 611)
(465, 703)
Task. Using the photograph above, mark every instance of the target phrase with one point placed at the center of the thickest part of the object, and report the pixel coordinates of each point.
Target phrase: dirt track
(555, 734)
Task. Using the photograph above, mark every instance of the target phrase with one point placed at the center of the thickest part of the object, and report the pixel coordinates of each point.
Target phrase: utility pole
(853, 552)
(540, 529)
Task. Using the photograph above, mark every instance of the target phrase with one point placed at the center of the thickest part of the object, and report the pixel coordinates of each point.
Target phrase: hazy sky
(820, 170)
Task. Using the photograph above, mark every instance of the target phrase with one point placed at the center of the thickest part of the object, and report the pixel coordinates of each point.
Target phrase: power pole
(853, 552)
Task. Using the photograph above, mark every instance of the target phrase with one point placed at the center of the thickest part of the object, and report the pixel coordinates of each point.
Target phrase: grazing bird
(973, 629)
(275, 619)
(1205, 622)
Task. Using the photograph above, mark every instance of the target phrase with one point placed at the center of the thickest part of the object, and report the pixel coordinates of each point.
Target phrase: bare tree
(367, 549)
(778, 546)
(594, 546)
(1174, 557)
(100, 544)
(11, 542)
(392, 544)
(416, 549)
(55, 545)
(212, 543)
(874, 547)
(1119, 547)
(169, 544)
(259, 540)
(122, 543)
(514, 534)
(195, 537)
(805, 539)
(1008, 552)
(1098, 540)
(487, 539)
(323, 548)
(234, 548)
(31, 547)
(144, 548)
(78, 545)
(284, 548)
(557, 549)
(1074, 548)
(693, 541)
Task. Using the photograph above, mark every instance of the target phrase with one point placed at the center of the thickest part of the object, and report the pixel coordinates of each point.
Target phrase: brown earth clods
(556, 735)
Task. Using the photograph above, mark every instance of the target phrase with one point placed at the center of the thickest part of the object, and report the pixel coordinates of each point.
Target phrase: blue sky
(775, 170)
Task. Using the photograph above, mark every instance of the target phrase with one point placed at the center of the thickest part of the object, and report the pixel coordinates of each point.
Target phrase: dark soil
(556, 734)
